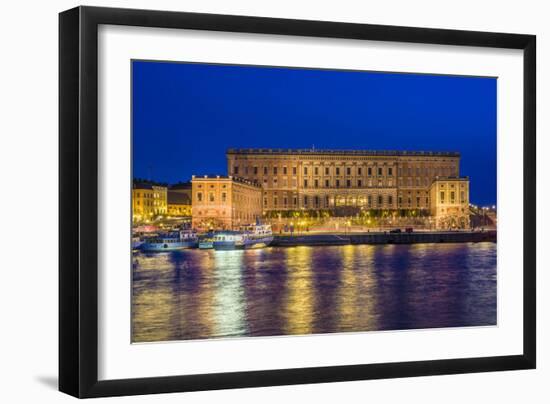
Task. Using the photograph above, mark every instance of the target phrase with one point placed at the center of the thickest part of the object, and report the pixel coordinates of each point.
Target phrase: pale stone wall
(224, 202)
(451, 203)
(317, 179)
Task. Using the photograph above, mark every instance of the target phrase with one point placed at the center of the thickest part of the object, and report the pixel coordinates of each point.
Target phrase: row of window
(211, 197)
(370, 171)
(150, 203)
(150, 211)
(223, 198)
(237, 214)
(149, 195)
(315, 171)
(452, 198)
(379, 200)
(348, 183)
(212, 186)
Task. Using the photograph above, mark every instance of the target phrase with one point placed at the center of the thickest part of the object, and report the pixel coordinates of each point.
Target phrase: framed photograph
(250, 201)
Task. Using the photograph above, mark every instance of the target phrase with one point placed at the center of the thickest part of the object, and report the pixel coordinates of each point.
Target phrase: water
(194, 294)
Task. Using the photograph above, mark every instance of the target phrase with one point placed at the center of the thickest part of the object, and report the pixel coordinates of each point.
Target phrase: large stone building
(224, 202)
(326, 179)
(149, 200)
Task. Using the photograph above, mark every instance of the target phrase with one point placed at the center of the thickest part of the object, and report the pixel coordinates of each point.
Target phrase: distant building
(149, 200)
(220, 202)
(312, 179)
(179, 199)
(450, 207)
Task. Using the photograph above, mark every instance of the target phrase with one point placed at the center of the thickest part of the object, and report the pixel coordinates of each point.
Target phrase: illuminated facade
(294, 179)
(450, 207)
(224, 202)
(148, 201)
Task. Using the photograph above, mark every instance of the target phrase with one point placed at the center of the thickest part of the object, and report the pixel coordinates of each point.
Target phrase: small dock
(385, 238)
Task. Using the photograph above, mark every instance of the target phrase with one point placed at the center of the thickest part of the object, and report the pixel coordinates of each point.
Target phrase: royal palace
(294, 179)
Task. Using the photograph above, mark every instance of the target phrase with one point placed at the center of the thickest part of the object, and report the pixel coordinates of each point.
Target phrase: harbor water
(197, 294)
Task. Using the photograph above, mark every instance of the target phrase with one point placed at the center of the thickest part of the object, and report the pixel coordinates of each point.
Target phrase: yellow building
(220, 202)
(450, 202)
(324, 179)
(148, 201)
(179, 199)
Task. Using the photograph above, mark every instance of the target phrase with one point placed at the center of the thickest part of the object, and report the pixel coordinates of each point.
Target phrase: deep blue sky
(185, 116)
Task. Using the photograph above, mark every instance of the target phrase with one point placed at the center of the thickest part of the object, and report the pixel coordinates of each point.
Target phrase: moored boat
(172, 241)
(257, 236)
(206, 242)
(228, 240)
(137, 242)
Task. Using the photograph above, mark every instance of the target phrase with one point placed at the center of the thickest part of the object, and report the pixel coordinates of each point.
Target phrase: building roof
(181, 185)
(445, 178)
(141, 185)
(178, 198)
(439, 179)
(347, 152)
(451, 178)
(226, 177)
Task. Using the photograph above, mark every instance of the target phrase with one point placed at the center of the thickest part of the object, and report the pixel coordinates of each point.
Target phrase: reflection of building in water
(220, 202)
(299, 309)
(148, 200)
(348, 293)
(179, 199)
(450, 206)
(331, 179)
(229, 299)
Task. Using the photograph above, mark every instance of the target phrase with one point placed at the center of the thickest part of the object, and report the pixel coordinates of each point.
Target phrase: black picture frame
(78, 201)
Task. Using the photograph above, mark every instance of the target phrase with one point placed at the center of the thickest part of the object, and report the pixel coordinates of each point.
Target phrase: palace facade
(224, 202)
(294, 179)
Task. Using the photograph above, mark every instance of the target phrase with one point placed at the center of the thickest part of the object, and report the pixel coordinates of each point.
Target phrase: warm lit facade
(325, 179)
(179, 199)
(222, 202)
(450, 203)
(148, 201)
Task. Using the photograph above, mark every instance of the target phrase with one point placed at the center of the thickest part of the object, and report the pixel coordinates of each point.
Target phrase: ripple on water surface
(194, 294)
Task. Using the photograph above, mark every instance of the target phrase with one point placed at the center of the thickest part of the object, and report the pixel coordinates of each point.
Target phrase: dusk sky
(185, 116)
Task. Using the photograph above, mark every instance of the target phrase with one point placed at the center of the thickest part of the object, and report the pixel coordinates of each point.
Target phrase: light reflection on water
(195, 294)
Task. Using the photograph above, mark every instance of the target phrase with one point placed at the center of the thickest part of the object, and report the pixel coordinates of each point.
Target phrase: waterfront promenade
(385, 238)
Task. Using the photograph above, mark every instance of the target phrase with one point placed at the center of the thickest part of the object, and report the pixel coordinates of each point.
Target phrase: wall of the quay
(385, 238)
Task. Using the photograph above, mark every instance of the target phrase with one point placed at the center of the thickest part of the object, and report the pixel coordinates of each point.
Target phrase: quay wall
(384, 238)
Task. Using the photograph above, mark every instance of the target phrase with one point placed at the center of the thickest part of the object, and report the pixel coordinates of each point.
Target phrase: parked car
(409, 230)
(395, 231)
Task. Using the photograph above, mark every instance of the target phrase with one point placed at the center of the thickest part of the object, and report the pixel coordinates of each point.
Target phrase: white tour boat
(178, 240)
(257, 236)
